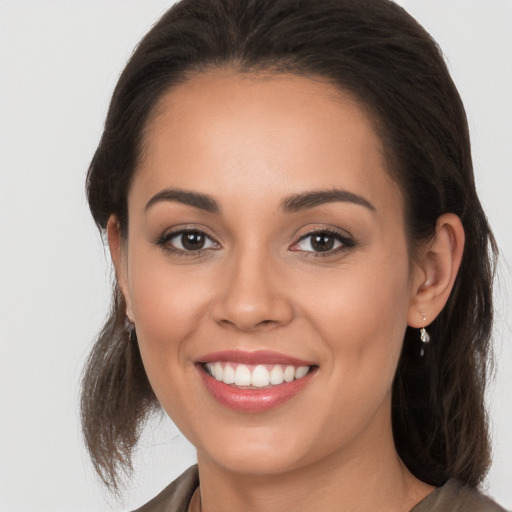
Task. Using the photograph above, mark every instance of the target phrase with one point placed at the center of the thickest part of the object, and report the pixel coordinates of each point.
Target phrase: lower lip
(253, 399)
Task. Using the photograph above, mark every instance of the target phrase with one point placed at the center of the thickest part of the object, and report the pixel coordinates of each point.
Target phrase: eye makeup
(317, 241)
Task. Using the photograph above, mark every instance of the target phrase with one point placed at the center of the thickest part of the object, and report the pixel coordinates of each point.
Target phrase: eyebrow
(307, 200)
(195, 199)
(291, 204)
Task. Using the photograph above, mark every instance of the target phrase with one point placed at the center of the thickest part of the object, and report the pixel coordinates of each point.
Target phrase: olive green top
(451, 497)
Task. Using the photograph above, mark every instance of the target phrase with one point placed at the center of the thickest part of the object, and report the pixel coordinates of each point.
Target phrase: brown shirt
(451, 497)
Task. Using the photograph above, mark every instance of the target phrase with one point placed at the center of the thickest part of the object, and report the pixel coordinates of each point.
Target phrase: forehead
(223, 131)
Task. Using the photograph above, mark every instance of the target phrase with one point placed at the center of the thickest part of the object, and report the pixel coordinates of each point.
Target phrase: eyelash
(164, 242)
(346, 242)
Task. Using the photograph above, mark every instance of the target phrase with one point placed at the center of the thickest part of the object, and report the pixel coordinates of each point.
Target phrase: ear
(117, 253)
(436, 270)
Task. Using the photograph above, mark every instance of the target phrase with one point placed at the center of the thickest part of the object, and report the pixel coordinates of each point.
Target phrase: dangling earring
(424, 335)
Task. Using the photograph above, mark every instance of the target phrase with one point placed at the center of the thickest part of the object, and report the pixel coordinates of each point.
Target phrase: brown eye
(322, 242)
(192, 240)
(187, 241)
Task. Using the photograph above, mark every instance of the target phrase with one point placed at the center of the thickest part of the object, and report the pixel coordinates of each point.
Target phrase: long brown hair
(382, 56)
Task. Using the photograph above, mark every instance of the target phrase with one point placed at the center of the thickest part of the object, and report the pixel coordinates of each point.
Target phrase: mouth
(255, 376)
(254, 381)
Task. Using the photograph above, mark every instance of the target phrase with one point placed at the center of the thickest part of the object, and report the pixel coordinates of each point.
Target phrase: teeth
(228, 376)
(289, 373)
(301, 372)
(211, 369)
(217, 371)
(242, 375)
(276, 375)
(260, 376)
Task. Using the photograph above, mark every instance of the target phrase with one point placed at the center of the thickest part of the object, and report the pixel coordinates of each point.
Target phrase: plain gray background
(59, 61)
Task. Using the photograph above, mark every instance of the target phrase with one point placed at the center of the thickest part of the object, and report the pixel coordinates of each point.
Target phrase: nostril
(266, 324)
(259, 325)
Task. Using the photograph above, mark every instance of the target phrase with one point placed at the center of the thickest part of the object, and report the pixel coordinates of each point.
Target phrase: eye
(187, 241)
(323, 241)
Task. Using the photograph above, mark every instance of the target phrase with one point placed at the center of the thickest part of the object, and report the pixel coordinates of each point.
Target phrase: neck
(367, 477)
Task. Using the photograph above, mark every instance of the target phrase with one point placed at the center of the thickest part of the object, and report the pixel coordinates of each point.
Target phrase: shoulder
(454, 496)
(176, 496)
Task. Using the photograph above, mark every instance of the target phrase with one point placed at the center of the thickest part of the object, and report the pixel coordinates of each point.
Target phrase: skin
(251, 142)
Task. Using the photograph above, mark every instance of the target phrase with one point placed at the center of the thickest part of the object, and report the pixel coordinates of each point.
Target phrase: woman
(303, 269)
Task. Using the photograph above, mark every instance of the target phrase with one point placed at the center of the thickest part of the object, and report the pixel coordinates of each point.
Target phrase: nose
(252, 297)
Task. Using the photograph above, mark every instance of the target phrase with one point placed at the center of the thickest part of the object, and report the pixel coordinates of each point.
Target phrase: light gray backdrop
(59, 61)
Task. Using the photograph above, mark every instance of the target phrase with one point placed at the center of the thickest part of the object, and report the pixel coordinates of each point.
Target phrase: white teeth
(301, 371)
(217, 371)
(289, 373)
(260, 376)
(242, 375)
(228, 375)
(276, 375)
(210, 368)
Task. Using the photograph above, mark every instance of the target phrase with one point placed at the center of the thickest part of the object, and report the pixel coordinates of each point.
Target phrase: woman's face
(266, 239)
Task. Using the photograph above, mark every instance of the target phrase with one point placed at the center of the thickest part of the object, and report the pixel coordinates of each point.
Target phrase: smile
(255, 376)
(254, 382)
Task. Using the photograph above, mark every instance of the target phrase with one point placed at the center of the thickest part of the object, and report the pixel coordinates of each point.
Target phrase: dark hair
(377, 52)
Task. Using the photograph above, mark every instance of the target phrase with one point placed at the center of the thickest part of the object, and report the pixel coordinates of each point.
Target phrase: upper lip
(253, 358)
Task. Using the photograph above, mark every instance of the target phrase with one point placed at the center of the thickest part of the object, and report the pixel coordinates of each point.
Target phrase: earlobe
(436, 271)
(115, 244)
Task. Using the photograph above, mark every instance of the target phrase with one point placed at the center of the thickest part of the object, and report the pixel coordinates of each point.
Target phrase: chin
(258, 451)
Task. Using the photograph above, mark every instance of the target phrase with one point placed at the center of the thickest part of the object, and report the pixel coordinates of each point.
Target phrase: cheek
(361, 314)
(165, 298)
(168, 307)
(165, 307)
